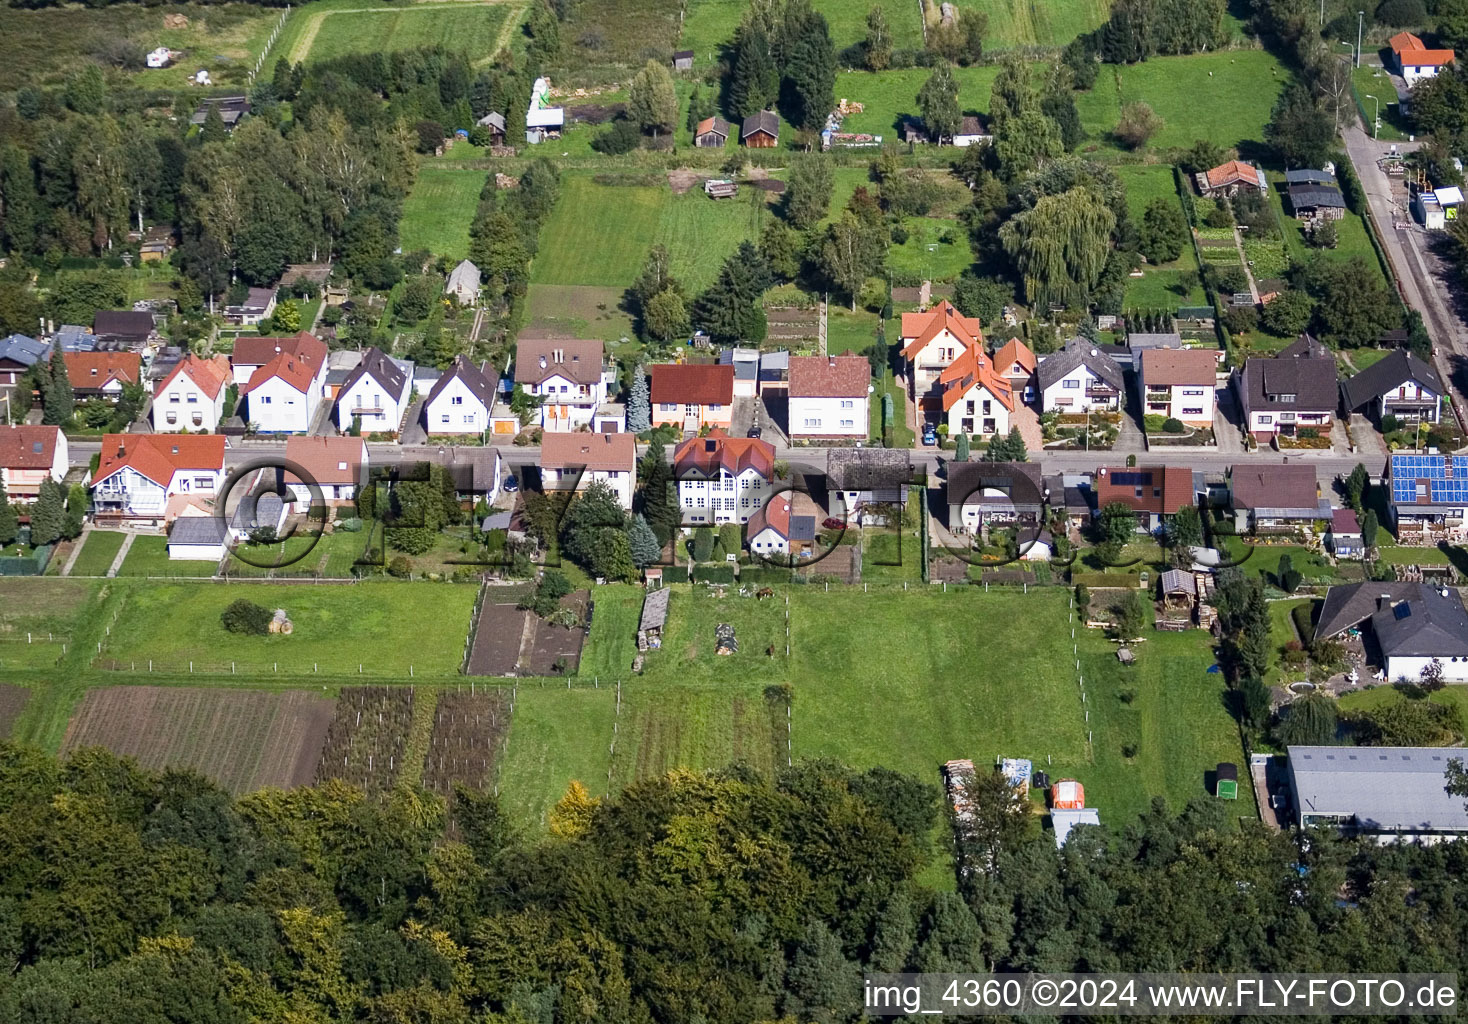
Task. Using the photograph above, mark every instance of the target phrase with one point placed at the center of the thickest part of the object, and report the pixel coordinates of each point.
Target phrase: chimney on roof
(832, 360)
(542, 362)
(121, 448)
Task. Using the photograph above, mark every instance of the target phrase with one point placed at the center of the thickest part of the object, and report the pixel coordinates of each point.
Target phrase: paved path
(76, 549)
(1028, 422)
(127, 543)
(1244, 262)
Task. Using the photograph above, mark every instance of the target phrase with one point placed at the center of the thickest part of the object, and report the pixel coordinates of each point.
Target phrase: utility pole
(1360, 19)
(1376, 108)
(1322, 13)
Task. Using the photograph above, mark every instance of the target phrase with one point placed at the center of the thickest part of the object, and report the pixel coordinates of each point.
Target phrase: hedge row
(764, 574)
(713, 574)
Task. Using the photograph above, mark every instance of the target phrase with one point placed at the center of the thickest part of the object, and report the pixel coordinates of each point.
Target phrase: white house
(462, 400)
(575, 461)
(568, 375)
(931, 341)
(377, 391)
(723, 479)
(542, 121)
(192, 396)
(198, 539)
(139, 472)
(1400, 385)
(1415, 626)
(282, 396)
(1180, 384)
(976, 400)
(28, 455)
(337, 465)
(1414, 60)
(784, 527)
(250, 353)
(1079, 378)
(828, 397)
(971, 131)
(463, 284)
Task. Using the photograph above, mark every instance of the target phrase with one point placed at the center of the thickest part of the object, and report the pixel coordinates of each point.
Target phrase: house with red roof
(1016, 362)
(1415, 60)
(1154, 493)
(692, 397)
(138, 473)
(28, 455)
(336, 465)
(283, 395)
(723, 479)
(102, 374)
(976, 400)
(1228, 178)
(931, 341)
(828, 398)
(250, 353)
(783, 528)
(575, 461)
(192, 396)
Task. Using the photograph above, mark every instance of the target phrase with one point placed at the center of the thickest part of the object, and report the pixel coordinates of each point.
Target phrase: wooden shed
(683, 60)
(1226, 781)
(712, 133)
(761, 130)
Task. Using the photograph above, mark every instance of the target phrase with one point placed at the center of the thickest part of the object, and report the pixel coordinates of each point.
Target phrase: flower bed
(1302, 443)
(1195, 437)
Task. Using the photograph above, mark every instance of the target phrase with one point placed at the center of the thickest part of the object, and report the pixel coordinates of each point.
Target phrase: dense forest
(717, 897)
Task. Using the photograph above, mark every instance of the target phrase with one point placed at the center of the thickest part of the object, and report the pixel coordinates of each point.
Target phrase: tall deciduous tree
(808, 189)
(850, 253)
(938, 101)
(1163, 231)
(877, 47)
(651, 102)
(1301, 132)
(1061, 245)
(665, 316)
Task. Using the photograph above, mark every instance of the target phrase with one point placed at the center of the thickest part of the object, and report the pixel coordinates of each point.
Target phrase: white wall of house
(243, 372)
(769, 542)
(195, 552)
(619, 480)
(828, 417)
(456, 410)
(278, 408)
(1270, 422)
(929, 362)
(183, 405)
(1454, 670)
(1414, 73)
(1411, 391)
(724, 499)
(1068, 394)
(146, 497)
(977, 412)
(367, 398)
(1190, 403)
(568, 405)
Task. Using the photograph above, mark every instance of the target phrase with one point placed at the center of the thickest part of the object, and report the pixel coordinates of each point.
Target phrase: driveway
(1028, 422)
(1369, 443)
(413, 430)
(1228, 423)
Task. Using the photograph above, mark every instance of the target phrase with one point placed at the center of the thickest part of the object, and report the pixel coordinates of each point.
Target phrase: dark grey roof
(253, 512)
(1021, 484)
(1079, 352)
(122, 323)
(1388, 374)
(655, 609)
(493, 119)
(376, 364)
(198, 530)
(1312, 382)
(1306, 346)
(1383, 788)
(480, 385)
(1141, 341)
(1430, 624)
(682, 54)
(866, 469)
(1307, 176)
(764, 121)
(1077, 499)
(1310, 197)
(802, 527)
(22, 349)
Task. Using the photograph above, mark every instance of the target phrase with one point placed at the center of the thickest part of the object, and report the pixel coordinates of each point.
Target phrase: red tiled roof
(1164, 489)
(773, 514)
(1014, 352)
(28, 447)
(1344, 520)
(91, 370)
(920, 328)
(1164, 367)
(829, 376)
(970, 368)
(1405, 41)
(1425, 58)
(707, 455)
(159, 456)
(324, 458)
(691, 384)
(249, 351)
(211, 375)
(593, 451)
(290, 368)
(1234, 170)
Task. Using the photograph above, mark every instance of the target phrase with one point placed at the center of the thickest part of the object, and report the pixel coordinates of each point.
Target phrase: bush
(246, 617)
(899, 234)
(713, 574)
(400, 566)
(349, 525)
(675, 574)
(1401, 13)
(621, 137)
(1172, 426)
(703, 543)
(1389, 423)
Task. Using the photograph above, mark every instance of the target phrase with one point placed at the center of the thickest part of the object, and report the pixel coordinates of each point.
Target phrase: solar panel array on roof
(1447, 481)
(1131, 479)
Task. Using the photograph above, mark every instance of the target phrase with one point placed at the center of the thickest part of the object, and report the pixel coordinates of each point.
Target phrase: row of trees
(782, 53)
(726, 897)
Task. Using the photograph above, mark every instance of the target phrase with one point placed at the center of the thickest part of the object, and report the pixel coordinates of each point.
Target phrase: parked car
(930, 435)
(832, 523)
(511, 485)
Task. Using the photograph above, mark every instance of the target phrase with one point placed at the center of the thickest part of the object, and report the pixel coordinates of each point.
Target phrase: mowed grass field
(338, 28)
(38, 619)
(600, 234)
(98, 553)
(1160, 287)
(384, 627)
(1031, 23)
(439, 210)
(1225, 97)
(904, 679)
(888, 97)
(710, 24)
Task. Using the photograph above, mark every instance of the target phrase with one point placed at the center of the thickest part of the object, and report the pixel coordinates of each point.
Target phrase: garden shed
(1226, 781)
(654, 617)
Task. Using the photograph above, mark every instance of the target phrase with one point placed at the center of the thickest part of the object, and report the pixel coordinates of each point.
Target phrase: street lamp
(1360, 20)
(1376, 111)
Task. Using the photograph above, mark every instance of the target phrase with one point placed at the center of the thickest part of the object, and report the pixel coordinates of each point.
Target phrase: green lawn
(709, 25)
(556, 735)
(600, 234)
(337, 627)
(336, 29)
(1024, 23)
(1391, 554)
(1160, 286)
(1353, 241)
(1282, 631)
(902, 434)
(1373, 81)
(889, 96)
(1226, 97)
(439, 210)
(98, 552)
(938, 250)
(148, 556)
